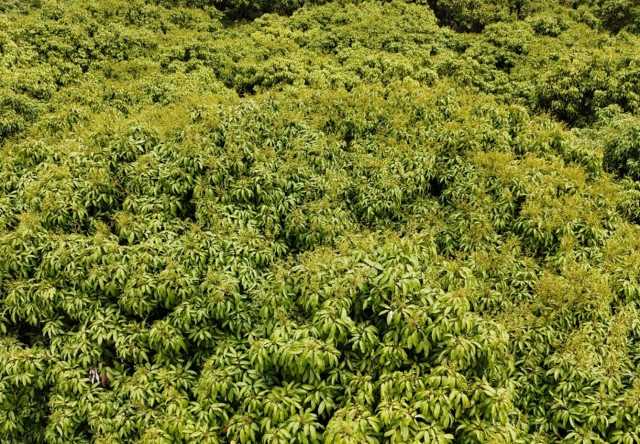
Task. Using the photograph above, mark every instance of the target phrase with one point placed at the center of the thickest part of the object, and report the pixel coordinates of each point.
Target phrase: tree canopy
(306, 222)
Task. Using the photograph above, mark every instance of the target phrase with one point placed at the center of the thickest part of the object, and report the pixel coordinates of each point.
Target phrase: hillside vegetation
(305, 222)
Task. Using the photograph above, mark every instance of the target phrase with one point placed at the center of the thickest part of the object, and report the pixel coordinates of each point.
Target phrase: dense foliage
(351, 222)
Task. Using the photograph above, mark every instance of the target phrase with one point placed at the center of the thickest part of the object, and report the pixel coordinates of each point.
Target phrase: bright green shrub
(239, 343)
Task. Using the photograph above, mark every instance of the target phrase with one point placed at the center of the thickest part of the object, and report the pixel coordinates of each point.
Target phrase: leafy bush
(474, 15)
(578, 87)
(613, 15)
(621, 146)
(548, 24)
